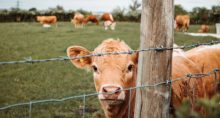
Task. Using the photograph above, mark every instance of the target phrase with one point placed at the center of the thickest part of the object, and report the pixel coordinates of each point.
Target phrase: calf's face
(111, 73)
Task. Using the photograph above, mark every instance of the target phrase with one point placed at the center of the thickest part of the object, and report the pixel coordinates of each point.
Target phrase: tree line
(22, 15)
(199, 15)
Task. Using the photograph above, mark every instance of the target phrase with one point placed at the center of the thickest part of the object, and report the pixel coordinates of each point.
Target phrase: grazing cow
(203, 29)
(182, 21)
(78, 20)
(107, 17)
(112, 73)
(109, 24)
(47, 20)
(92, 19)
(108, 21)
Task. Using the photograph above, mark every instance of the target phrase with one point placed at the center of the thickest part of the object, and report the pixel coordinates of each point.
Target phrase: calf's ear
(135, 57)
(74, 51)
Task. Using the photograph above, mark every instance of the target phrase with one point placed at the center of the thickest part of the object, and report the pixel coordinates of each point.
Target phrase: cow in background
(47, 20)
(91, 18)
(108, 21)
(203, 29)
(78, 20)
(182, 22)
(107, 17)
(113, 73)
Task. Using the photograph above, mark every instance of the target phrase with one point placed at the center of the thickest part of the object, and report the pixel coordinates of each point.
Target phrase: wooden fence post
(155, 66)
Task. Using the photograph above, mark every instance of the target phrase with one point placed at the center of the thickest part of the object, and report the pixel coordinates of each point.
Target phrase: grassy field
(27, 82)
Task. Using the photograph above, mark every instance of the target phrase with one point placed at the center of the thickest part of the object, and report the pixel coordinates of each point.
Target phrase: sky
(95, 5)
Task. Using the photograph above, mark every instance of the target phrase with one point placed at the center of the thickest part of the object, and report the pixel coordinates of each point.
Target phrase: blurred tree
(200, 15)
(216, 9)
(134, 5)
(204, 14)
(215, 14)
(119, 13)
(197, 16)
(57, 9)
(60, 9)
(84, 12)
(179, 10)
(33, 11)
(4, 11)
(14, 10)
(32, 14)
(134, 14)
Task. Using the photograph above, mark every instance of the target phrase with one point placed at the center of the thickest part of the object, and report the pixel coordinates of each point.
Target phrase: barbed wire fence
(85, 96)
(64, 58)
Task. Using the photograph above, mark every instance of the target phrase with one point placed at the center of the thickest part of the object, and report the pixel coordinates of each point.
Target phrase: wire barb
(216, 70)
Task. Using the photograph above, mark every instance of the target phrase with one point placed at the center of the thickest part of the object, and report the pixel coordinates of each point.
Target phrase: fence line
(64, 58)
(167, 83)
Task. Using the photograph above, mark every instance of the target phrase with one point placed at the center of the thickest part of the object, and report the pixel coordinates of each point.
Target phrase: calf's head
(111, 73)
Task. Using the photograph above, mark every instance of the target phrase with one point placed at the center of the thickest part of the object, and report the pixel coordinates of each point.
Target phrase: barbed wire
(64, 58)
(167, 82)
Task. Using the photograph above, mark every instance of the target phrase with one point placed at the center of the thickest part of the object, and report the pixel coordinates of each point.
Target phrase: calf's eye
(94, 68)
(130, 68)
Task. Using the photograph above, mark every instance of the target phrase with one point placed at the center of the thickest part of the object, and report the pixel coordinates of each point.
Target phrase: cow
(47, 20)
(203, 29)
(91, 18)
(110, 24)
(78, 20)
(182, 90)
(124, 68)
(107, 17)
(108, 21)
(207, 58)
(182, 22)
(113, 73)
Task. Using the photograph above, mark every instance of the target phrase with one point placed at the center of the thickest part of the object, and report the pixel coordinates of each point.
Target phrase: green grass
(26, 82)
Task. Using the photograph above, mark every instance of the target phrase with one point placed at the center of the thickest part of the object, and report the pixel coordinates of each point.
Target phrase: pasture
(58, 79)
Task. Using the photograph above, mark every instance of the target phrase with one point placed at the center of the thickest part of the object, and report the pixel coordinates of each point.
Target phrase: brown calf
(203, 29)
(112, 73)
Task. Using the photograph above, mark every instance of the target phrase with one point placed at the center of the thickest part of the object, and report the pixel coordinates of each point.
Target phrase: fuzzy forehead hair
(111, 45)
(116, 61)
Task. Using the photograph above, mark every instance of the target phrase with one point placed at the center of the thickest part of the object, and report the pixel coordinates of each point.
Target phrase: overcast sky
(95, 5)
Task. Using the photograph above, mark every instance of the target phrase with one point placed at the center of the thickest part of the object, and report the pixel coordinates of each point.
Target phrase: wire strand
(167, 82)
(29, 60)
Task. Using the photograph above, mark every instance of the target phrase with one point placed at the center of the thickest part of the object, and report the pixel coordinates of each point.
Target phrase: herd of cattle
(182, 22)
(114, 73)
(79, 20)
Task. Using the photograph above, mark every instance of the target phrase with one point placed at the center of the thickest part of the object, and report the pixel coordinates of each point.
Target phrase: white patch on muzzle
(120, 97)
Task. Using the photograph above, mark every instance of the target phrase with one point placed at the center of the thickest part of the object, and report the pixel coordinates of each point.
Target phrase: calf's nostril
(118, 90)
(112, 90)
(104, 90)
